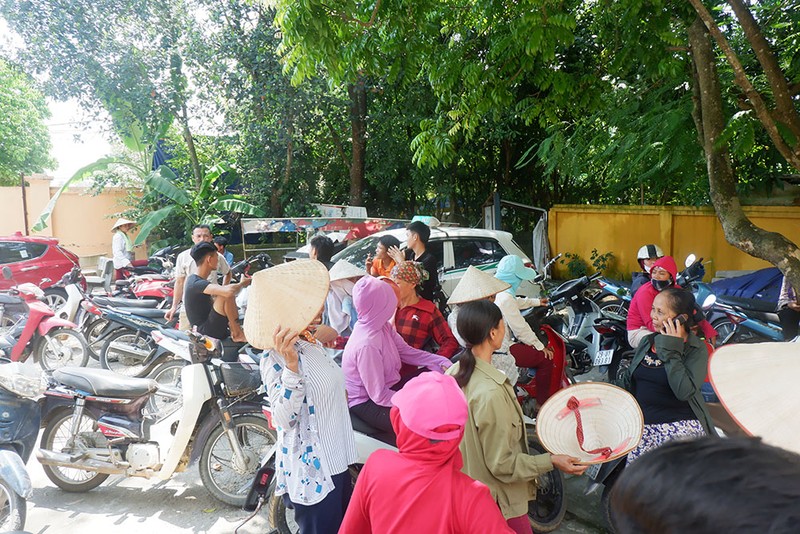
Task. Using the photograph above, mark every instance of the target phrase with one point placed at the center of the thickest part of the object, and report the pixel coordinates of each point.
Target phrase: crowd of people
(441, 390)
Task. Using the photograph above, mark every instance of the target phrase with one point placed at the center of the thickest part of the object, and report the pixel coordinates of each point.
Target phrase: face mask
(647, 268)
(661, 285)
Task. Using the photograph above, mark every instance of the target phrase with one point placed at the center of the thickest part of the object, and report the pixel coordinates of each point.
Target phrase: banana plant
(205, 205)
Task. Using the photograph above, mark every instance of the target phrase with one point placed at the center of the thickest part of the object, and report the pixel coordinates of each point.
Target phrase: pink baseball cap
(430, 401)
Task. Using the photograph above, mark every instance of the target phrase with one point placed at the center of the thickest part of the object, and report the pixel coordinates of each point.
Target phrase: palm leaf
(161, 181)
(235, 204)
(99, 165)
(151, 221)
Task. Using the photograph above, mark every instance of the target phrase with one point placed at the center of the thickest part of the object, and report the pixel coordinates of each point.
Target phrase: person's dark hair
(203, 226)
(681, 302)
(221, 241)
(709, 485)
(389, 241)
(324, 247)
(421, 229)
(474, 322)
(201, 250)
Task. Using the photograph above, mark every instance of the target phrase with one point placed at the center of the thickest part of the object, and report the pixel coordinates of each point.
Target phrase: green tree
(24, 139)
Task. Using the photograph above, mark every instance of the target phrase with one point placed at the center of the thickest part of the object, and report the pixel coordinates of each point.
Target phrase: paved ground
(182, 505)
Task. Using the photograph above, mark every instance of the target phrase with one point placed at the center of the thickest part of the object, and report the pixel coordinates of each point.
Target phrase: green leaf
(230, 203)
(151, 221)
(99, 165)
(161, 181)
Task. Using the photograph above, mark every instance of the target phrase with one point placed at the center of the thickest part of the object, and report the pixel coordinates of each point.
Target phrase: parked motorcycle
(52, 341)
(741, 320)
(128, 347)
(19, 427)
(95, 426)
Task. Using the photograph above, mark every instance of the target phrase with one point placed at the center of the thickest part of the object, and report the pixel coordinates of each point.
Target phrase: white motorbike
(99, 424)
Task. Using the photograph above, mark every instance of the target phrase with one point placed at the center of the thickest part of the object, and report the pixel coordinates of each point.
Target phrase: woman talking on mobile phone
(666, 375)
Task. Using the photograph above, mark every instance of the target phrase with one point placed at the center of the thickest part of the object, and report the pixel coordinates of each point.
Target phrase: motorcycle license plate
(604, 357)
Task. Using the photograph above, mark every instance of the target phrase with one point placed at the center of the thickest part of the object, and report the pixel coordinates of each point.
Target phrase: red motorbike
(526, 384)
(52, 341)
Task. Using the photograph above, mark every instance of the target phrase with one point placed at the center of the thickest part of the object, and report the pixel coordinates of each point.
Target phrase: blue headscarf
(508, 270)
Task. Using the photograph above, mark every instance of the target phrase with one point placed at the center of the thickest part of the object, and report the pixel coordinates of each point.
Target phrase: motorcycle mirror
(710, 301)
(7, 273)
(690, 259)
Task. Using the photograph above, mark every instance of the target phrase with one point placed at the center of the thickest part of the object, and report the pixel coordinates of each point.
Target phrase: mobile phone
(682, 318)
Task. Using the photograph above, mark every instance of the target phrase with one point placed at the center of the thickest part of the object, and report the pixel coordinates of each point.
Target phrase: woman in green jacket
(666, 375)
(495, 447)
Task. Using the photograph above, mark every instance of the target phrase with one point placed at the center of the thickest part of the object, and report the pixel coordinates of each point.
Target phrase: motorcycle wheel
(615, 306)
(547, 512)
(56, 437)
(55, 297)
(91, 333)
(167, 373)
(619, 364)
(61, 347)
(114, 358)
(724, 328)
(281, 518)
(223, 479)
(12, 508)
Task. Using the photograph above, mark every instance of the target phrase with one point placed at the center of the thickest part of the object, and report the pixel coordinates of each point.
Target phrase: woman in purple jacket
(373, 356)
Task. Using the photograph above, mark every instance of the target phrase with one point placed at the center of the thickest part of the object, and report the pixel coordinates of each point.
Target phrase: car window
(437, 249)
(14, 251)
(468, 252)
(35, 249)
(357, 252)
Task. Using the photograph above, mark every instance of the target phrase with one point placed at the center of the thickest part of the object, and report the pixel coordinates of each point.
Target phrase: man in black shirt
(417, 235)
(211, 307)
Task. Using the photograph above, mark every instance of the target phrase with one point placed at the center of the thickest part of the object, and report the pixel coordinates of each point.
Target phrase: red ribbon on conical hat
(573, 406)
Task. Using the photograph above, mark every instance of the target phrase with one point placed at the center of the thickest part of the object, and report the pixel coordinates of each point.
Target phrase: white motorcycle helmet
(648, 252)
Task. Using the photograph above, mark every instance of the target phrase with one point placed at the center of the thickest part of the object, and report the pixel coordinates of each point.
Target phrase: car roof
(30, 238)
(440, 232)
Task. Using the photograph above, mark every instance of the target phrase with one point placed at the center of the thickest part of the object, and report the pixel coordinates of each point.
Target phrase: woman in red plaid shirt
(418, 321)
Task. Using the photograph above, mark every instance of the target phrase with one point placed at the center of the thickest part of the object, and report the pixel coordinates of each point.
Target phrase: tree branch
(762, 112)
(347, 18)
(769, 63)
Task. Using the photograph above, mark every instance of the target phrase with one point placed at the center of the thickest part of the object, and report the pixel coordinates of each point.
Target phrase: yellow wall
(80, 221)
(678, 230)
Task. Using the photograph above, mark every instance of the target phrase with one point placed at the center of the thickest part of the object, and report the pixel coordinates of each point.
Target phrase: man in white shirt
(185, 265)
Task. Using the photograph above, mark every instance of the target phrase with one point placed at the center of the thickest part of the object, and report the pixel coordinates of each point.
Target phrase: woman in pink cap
(421, 488)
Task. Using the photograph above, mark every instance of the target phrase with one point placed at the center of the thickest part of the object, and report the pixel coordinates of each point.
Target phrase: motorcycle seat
(119, 302)
(150, 313)
(747, 304)
(104, 383)
(178, 335)
(10, 299)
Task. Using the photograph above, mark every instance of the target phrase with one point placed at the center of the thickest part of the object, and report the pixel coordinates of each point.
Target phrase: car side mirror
(7, 273)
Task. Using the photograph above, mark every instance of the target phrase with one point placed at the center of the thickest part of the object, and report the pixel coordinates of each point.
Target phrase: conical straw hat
(610, 419)
(344, 269)
(121, 222)
(757, 385)
(476, 285)
(290, 295)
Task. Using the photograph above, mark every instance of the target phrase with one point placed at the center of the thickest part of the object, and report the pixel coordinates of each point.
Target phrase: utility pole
(24, 203)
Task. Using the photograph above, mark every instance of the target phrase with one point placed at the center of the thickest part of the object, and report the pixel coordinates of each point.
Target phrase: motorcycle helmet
(648, 252)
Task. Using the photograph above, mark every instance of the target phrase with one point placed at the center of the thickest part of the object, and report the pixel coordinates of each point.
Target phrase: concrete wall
(80, 221)
(679, 230)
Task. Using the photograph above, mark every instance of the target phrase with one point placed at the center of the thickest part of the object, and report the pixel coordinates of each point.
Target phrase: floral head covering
(410, 272)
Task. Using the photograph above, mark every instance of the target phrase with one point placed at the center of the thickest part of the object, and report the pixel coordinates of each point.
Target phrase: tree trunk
(358, 121)
(739, 230)
(189, 138)
(279, 186)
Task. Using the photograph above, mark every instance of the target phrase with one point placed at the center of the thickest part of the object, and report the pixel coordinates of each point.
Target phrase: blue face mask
(661, 285)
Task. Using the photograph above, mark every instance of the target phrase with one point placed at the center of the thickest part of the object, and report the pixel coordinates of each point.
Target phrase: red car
(32, 259)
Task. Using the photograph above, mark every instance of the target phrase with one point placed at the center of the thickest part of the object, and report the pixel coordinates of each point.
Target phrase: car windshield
(358, 251)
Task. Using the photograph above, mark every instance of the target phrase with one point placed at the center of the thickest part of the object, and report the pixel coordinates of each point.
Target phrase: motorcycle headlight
(23, 380)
